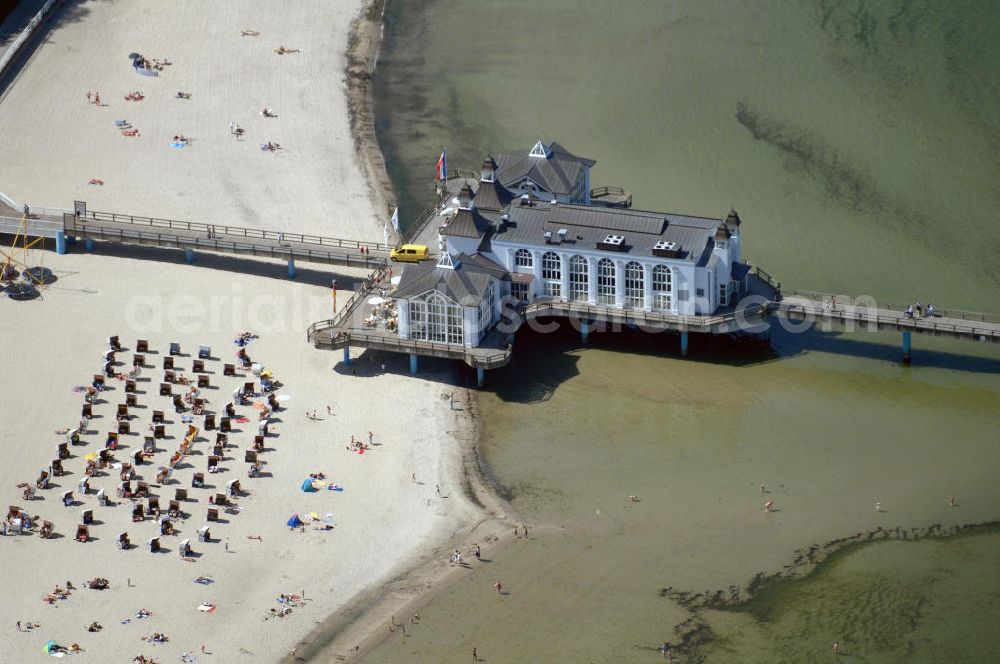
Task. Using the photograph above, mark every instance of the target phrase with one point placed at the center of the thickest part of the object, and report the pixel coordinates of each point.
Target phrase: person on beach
(97, 98)
(479, 554)
(836, 647)
(475, 655)
(878, 505)
(769, 506)
(763, 489)
(498, 586)
(952, 502)
(437, 489)
(88, 96)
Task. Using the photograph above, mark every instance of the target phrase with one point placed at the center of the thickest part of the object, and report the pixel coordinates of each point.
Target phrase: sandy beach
(383, 520)
(405, 502)
(56, 141)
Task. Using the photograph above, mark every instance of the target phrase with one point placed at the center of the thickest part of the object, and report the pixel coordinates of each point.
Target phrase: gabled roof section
(557, 172)
(465, 284)
(491, 196)
(466, 223)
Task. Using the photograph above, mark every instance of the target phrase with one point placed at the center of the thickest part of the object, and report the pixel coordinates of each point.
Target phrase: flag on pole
(395, 220)
(442, 166)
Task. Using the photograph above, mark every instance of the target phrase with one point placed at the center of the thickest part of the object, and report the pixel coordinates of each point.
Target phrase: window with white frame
(487, 308)
(524, 259)
(433, 317)
(662, 288)
(519, 291)
(579, 277)
(724, 294)
(552, 274)
(606, 281)
(635, 294)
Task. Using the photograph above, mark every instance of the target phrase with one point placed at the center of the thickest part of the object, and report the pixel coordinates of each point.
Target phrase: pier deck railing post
(906, 347)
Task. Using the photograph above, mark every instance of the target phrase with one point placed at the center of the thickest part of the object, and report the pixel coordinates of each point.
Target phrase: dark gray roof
(557, 173)
(466, 223)
(465, 284)
(491, 196)
(586, 225)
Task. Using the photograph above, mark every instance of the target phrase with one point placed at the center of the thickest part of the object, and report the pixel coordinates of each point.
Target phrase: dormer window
(446, 261)
(539, 151)
(489, 171)
(465, 198)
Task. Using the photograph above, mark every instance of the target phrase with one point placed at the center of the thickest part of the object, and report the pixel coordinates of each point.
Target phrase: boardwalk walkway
(866, 314)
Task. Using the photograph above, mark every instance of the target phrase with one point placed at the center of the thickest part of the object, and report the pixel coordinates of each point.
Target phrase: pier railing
(221, 229)
(862, 301)
(542, 307)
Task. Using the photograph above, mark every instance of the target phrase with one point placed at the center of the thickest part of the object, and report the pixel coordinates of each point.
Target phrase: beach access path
(55, 142)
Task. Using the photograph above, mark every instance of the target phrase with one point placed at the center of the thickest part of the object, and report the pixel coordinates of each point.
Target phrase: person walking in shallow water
(769, 506)
(836, 647)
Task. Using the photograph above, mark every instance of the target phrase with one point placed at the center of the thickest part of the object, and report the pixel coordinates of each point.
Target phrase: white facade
(675, 286)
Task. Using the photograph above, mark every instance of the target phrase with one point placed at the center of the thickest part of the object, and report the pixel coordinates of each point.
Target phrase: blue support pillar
(584, 331)
(291, 268)
(88, 244)
(347, 355)
(906, 347)
(60, 242)
(480, 376)
(684, 343)
(413, 363)
(189, 255)
(71, 239)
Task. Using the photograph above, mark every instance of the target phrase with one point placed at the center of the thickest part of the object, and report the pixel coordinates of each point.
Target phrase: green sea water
(858, 140)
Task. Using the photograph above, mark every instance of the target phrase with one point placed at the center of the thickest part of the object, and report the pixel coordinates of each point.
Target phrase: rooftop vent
(525, 199)
(562, 234)
(548, 236)
(666, 249)
(612, 243)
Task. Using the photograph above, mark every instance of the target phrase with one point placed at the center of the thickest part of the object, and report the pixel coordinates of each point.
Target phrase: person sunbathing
(182, 95)
(249, 33)
(268, 113)
(94, 627)
(96, 181)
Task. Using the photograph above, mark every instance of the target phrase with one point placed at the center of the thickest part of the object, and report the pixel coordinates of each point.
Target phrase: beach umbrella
(49, 646)
(134, 55)
(91, 456)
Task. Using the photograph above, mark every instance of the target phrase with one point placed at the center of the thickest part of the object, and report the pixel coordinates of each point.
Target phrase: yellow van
(409, 253)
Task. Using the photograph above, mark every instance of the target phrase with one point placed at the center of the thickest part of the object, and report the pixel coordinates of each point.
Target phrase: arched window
(434, 317)
(662, 288)
(606, 281)
(523, 258)
(579, 275)
(552, 274)
(634, 288)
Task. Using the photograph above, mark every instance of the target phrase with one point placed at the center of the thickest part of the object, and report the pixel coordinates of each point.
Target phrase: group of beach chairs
(144, 504)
